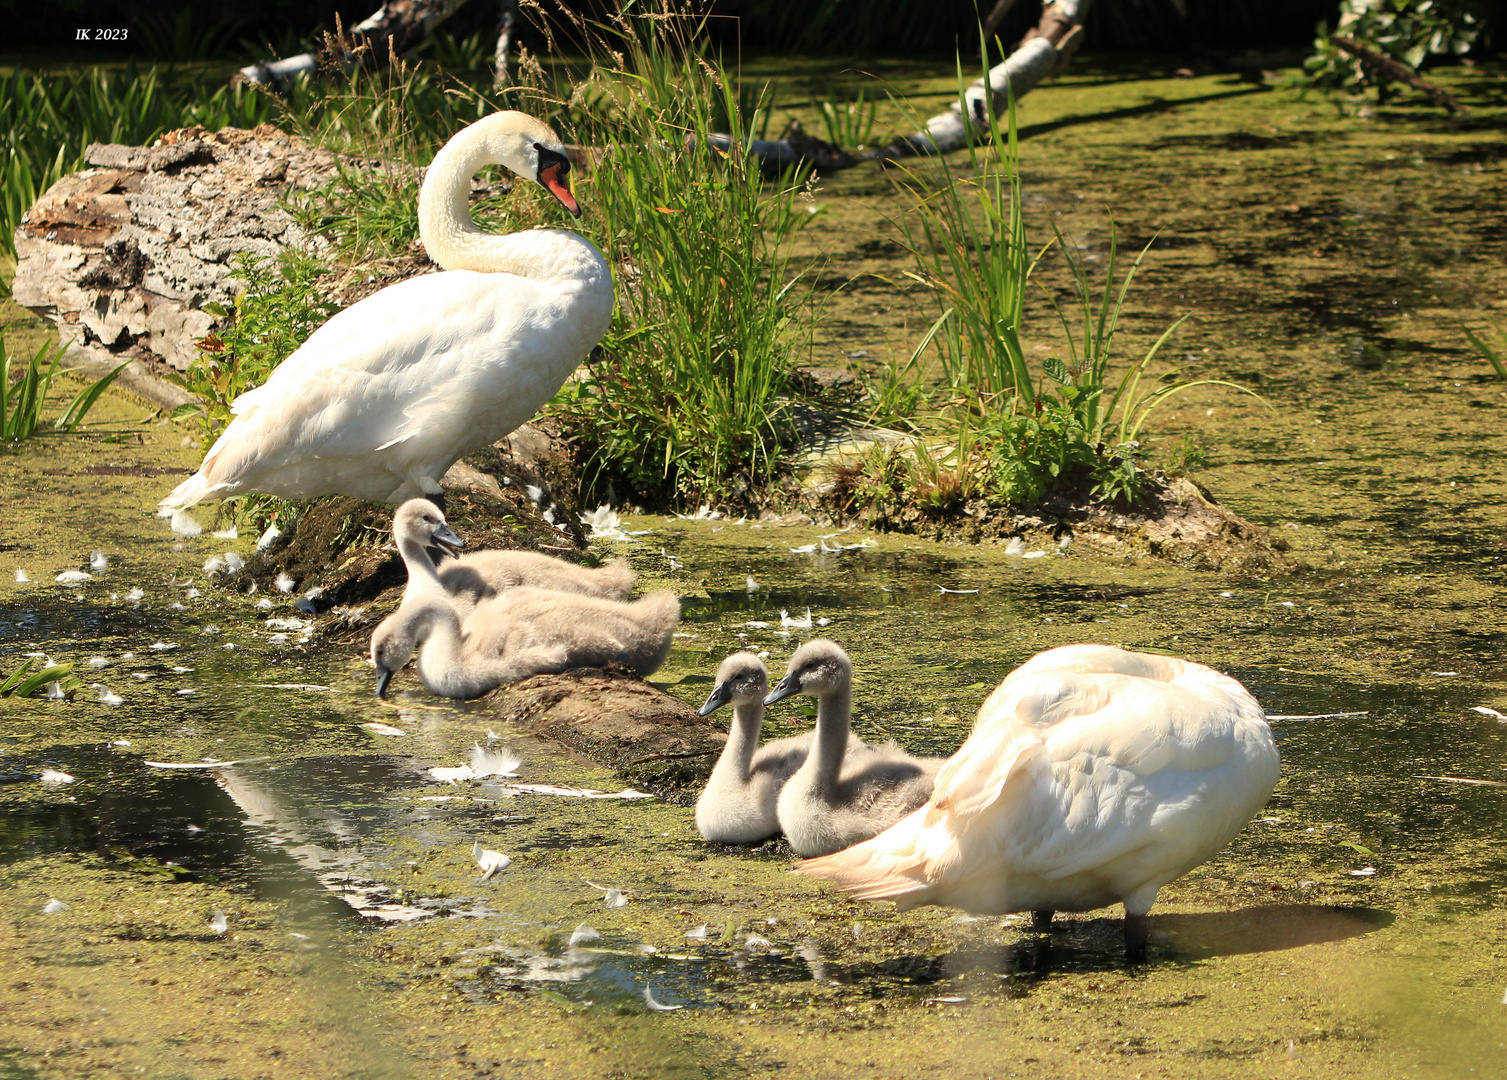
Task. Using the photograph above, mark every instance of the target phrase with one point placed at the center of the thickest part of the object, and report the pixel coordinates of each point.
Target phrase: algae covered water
(320, 909)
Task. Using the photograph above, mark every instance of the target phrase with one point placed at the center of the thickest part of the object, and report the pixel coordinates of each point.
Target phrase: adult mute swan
(737, 806)
(468, 579)
(523, 632)
(845, 791)
(1093, 776)
(384, 397)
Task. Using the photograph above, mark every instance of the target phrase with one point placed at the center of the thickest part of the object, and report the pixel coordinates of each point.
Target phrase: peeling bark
(123, 256)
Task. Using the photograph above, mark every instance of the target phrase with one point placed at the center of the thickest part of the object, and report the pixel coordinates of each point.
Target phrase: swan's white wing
(398, 362)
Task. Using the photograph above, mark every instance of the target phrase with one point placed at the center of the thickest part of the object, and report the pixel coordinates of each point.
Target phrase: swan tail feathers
(894, 865)
(191, 492)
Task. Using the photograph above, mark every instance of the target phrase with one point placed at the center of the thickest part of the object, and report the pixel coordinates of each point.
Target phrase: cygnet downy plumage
(737, 806)
(468, 579)
(842, 794)
(523, 632)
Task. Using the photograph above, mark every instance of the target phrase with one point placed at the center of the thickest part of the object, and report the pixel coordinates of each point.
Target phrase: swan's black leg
(1137, 929)
(1041, 921)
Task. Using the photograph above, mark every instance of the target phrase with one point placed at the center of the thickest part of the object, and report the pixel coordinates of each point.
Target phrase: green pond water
(1357, 928)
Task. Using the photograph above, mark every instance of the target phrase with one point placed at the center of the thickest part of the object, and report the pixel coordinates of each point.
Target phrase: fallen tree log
(1389, 70)
(398, 25)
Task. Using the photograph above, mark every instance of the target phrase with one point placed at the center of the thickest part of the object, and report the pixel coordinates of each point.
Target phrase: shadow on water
(620, 974)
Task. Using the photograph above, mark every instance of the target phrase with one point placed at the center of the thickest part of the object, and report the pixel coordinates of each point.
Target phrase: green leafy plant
(278, 309)
(23, 682)
(23, 395)
(1494, 354)
(1409, 31)
(849, 124)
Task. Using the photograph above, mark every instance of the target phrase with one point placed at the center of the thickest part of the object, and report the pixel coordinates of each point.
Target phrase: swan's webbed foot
(1041, 921)
(1137, 930)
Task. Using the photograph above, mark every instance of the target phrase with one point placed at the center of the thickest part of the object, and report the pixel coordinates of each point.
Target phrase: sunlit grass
(25, 392)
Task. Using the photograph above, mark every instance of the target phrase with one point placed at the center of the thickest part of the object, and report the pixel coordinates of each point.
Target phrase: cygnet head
(817, 668)
(423, 522)
(740, 680)
(394, 641)
(532, 150)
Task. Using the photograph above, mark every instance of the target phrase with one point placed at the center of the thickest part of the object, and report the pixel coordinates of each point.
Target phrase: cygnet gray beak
(786, 687)
(384, 676)
(719, 697)
(445, 539)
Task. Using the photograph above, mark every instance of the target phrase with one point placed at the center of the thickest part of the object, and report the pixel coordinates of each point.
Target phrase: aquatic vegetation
(684, 399)
(849, 124)
(23, 682)
(1494, 354)
(1008, 434)
(23, 395)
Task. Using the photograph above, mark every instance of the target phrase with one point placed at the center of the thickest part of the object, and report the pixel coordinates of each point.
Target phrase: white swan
(845, 791)
(469, 579)
(523, 632)
(737, 806)
(384, 397)
(1093, 776)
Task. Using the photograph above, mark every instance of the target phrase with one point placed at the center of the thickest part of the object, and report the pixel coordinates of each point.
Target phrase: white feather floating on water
(578, 793)
(214, 565)
(499, 762)
(1031, 555)
(284, 583)
(163, 646)
(655, 1006)
(675, 564)
(98, 561)
(384, 729)
(218, 922)
(73, 577)
(806, 550)
(53, 906)
(750, 585)
(205, 764)
(106, 695)
(615, 898)
(55, 691)
(22, 577)
(226, 534)
(583, 935)
(184, 525)
(449, 775)
(1484, 711)
(700, 933)
(788, 621)
(489, 861)
(1016, 546)
(135, 594)
(1366, 871)
(53, 776)
(958, 592)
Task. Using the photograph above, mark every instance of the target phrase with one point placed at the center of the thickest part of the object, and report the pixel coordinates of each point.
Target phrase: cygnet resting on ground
(469, 579)
(737, 806)
(523, 632)
(1093, 776)
(842, 793)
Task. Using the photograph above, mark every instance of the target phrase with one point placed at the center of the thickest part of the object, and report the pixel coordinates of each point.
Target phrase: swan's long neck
(421, 571)
(833, 712)
(454, 241)
(443, 659)
(742, 740)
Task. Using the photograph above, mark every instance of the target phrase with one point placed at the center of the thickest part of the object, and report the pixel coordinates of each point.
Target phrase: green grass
(1007, 432)
(1493, 354)
(686, 399)
(24, 394)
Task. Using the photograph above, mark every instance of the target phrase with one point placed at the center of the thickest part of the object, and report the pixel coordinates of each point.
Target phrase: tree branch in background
(393, 28)
(1389, 70)
(1041, 54)
(507, 15)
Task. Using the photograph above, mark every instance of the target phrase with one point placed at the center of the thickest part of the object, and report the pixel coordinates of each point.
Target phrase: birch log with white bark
(1045, 51)
(395, 26)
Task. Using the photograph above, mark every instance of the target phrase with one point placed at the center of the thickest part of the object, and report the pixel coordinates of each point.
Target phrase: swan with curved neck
(520, 633)
(390, 392)
(1093, 776)
(419, 524)
(842, 793)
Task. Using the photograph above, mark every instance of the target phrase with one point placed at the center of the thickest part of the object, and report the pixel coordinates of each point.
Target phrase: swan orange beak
(552, 176)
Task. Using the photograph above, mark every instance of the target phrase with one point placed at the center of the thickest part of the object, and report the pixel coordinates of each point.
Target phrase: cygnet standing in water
(521, 633)
(843, 793)
(468, 579)
(738, 804)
